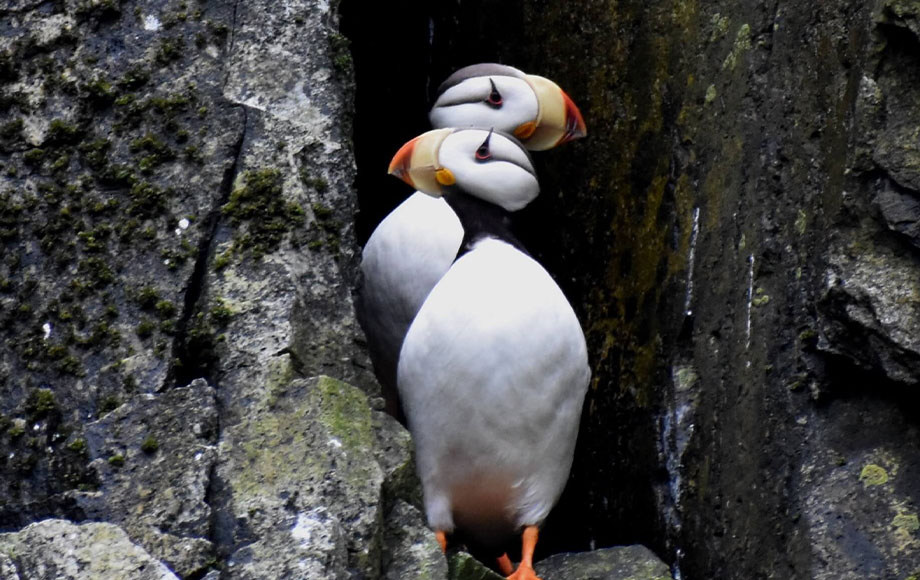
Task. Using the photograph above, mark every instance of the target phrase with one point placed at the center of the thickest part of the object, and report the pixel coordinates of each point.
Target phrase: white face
(473, 103)
(491, 167)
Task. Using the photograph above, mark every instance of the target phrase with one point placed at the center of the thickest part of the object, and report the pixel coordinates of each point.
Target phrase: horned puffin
(493, 370)
(416, 243)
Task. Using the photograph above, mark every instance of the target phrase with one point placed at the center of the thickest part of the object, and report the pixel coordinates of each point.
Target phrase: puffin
(493, 369)
(417, 242)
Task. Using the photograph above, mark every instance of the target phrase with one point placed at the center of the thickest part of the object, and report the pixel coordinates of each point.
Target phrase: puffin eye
(495, 97)
(484, 153)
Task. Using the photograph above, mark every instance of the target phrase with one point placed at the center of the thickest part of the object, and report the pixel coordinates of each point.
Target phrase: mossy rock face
(304, 461)
(462, 566)
(95, 187)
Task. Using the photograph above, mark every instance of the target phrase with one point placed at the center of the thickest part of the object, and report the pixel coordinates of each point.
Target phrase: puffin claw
(504, 565)
(524, 573)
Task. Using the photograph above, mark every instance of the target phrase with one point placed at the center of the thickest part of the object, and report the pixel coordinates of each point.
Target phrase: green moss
(117, 460)
(873, 474)
(16, 431)
(40, 403)
(218, 29)
(11, 133)
(169, 50)
(102, 10)
(147, 297)
(171, 105)
(96, 272)
(157, 151)
(133, 78)
(150, 445)
(77, 446)
(909, 523)
(70, 365)
(258, 204)
(344, 411)
(321, 212)
(147, 200)
(95, 239)
(99, 93)
(108, 404)
(192, 153)
(165, 308)
(220, 313)
(741, 46)
(711, 94)
(761, 298)
(340, 52)
(95, 153)
(145, 328)
(33, 156)
(222, 260)
(63, 133)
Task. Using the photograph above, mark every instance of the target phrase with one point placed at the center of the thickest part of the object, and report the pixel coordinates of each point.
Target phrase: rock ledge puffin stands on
(494, 369)
(417, 242)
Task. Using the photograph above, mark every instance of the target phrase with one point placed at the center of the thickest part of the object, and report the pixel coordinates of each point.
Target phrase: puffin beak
(574, 123)
(399, 166)
(417, 164)
(559, 120)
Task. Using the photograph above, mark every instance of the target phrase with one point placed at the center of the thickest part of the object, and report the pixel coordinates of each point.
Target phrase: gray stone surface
(66, 551)
(153, 457)
(410, 549)
(619, 563)
(305, 484)
(462, 566)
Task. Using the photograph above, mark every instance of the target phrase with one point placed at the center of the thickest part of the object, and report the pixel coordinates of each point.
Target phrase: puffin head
(532, 108)
(486, 164)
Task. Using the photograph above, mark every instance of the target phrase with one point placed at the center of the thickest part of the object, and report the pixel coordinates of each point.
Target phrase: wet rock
(619, 563)
(872, 316)
(67, 551)
(900, 209)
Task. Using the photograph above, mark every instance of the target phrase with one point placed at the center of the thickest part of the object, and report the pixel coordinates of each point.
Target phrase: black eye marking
(495, 97)
(483, 153)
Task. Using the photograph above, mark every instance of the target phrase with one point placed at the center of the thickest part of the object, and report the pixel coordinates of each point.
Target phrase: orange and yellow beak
(417, 164)
(559, 120)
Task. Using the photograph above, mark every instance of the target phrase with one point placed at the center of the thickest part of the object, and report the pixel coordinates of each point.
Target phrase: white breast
(493, 373)
(402, 261)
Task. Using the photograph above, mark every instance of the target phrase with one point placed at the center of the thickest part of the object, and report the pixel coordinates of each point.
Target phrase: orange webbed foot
(525, 569)
(504, 565)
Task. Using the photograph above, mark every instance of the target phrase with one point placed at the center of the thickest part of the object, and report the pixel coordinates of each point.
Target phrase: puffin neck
(480, 219)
